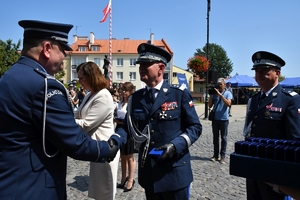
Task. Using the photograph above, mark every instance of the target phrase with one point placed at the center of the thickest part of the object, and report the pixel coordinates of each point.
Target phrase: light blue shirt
(221, 110)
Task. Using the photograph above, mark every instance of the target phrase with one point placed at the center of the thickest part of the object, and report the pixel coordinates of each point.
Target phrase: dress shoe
(214, 159)
(222, 161)
(128, 190)
(120, 185)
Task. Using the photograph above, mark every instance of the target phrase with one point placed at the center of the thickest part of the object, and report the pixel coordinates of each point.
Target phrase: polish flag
(106, 11)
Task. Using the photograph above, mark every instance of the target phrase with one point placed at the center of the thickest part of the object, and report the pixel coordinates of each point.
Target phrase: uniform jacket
(95, 116)
(278, 116)
(25, 171)
(178, 124)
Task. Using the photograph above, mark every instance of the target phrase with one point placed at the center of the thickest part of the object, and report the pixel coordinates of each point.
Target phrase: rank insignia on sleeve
(191, 103)
(169, 106)
(298, 111)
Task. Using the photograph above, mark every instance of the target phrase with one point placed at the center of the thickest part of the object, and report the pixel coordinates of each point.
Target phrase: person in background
(120, 93)
(164, 124)
(121, 84)
(221, 101)
(95, 117)
(272, 113)
(228, 88)
(128, 163)
(37, 126)
(81, 94)
(74, 99)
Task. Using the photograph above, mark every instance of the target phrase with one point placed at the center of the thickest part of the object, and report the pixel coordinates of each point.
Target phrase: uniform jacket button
(152, 131)
(152, 143)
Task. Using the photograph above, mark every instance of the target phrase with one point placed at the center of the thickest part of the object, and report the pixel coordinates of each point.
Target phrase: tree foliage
(60, 75)
(218, 59)
(281, 78)
(8, 54)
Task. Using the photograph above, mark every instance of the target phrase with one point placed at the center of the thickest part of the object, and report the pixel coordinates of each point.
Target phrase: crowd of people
(158, 122)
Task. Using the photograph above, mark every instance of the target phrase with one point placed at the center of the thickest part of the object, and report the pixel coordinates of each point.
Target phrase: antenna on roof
(76, 28)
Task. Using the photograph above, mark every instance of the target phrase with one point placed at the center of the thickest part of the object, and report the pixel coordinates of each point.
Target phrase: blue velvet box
(267, 170)
(270, 160)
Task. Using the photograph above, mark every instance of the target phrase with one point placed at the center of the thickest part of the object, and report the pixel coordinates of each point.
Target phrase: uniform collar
(269, 91)
(158, 86)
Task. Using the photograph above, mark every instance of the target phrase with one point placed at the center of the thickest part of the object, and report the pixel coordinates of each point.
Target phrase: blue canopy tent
(238, 81)
(291, 83)
(242, 81)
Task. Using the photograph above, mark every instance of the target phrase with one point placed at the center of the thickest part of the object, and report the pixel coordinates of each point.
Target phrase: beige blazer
(95, 117)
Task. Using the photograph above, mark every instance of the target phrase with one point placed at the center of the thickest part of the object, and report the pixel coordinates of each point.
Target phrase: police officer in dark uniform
(272, 113)
(164, 124)
(37, 126)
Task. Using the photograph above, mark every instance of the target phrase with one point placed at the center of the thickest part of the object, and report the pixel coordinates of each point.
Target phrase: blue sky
(241, 27)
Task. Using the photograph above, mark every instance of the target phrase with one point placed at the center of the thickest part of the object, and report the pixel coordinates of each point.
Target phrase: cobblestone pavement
(211, 179)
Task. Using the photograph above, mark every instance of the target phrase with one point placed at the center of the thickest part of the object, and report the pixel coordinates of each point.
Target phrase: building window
(97, 61)
(132, 61)
(174, 74)
(119, 61)
(82, 48)
(95, 48)
(77, 61)
(168, 66)
(201, 90)
(119, 75)
(132, 76)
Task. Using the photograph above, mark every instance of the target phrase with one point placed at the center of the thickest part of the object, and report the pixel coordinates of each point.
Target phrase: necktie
(261, 99)
(152, 92)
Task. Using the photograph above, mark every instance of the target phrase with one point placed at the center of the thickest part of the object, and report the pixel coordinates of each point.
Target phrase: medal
(162, 115)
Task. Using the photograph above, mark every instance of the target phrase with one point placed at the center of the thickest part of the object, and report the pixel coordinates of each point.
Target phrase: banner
(182, 81)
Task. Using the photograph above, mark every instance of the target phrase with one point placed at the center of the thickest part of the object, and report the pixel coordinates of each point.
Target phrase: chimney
(92, 38)
(74, 39)
(152, 38)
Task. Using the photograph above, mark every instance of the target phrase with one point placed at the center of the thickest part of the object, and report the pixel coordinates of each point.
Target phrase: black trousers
(181, 194)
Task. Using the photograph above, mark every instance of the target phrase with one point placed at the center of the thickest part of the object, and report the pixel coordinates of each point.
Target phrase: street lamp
(207, 72)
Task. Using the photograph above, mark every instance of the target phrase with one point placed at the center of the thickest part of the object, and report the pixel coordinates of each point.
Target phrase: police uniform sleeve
(190, 123)
(61, 131)
(292, 120)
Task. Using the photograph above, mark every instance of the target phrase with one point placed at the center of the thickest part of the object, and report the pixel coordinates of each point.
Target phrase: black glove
(169, 151)
(113, 149)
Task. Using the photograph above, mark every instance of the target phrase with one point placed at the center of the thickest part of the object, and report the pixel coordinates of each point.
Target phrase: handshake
(113, 149)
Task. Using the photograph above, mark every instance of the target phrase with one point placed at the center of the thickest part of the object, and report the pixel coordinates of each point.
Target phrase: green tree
(218, 59)
(281, 78)
(60, 75)
(8, 55)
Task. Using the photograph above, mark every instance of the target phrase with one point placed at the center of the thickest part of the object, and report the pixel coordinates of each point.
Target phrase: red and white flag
(106, 11)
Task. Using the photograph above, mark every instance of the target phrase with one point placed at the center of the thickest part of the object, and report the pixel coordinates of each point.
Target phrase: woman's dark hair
(94, 75)
(128, 86)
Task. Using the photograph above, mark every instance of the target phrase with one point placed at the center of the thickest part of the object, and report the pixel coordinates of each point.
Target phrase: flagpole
(110, 45)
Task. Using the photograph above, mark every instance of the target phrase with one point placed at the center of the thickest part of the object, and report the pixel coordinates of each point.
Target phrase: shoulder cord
(138, 137)
(45, 110)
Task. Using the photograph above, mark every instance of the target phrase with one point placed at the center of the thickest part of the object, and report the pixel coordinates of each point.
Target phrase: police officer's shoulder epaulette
(181, 88)
(44, 74)
(289, 92)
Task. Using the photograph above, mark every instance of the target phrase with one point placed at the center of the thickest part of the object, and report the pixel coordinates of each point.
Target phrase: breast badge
(167, 106)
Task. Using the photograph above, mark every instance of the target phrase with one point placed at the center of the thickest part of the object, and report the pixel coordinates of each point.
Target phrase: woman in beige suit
(95, 116)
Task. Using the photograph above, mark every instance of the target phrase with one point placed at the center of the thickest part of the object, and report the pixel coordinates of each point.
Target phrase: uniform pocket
(168, 121)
